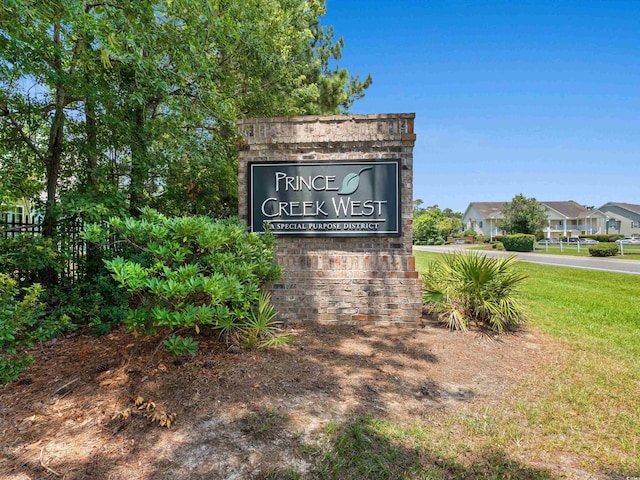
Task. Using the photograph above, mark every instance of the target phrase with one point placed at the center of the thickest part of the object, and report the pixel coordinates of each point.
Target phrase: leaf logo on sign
(351, 182)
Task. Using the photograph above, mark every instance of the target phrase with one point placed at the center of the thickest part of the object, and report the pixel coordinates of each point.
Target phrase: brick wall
(370, 279)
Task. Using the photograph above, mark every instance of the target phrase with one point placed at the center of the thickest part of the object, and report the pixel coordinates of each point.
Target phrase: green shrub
(498, 246)
(469, 287)
(21, 324)
(519, 242)
(26, 257)
(599, 237)
(482, 239)
(92, 299)
(187, 272)
(604, 250)
(177, 345)
(95, 301)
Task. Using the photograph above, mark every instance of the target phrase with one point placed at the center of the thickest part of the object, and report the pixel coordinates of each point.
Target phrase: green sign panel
(358, 198)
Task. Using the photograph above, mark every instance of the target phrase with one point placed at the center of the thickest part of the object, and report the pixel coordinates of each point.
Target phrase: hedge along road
(616, 265)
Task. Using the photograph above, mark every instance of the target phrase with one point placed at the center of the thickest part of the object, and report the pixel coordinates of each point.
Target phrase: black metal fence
(69, 243)
(11, 227)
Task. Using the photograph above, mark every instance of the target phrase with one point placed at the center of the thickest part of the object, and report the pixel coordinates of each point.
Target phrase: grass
(590, 402)
(368, 448)
(596, 311)
(584, 405)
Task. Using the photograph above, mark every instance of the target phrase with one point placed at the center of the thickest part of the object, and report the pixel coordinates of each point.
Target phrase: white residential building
(564, 219)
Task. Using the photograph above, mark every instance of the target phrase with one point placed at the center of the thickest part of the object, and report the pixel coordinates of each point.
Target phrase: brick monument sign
(337, 192)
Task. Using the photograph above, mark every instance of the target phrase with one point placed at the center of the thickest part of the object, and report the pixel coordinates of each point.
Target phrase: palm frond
(468, 286)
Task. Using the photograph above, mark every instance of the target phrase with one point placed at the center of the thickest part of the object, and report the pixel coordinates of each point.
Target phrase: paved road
(617, 264)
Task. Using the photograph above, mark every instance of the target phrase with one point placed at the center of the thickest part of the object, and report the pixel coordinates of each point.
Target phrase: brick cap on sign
(326, 118)
(328, 129)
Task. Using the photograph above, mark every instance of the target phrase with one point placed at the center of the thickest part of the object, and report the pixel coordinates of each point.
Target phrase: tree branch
(25, 138)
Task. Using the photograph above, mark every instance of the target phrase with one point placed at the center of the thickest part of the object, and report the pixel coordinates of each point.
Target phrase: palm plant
(261, 328)
(470, 287)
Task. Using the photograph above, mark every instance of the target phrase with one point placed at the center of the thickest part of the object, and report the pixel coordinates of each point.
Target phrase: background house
(17, 217)
(484, 218)
(564, 219)
(570, 219)
(621, 218)
(19, 211)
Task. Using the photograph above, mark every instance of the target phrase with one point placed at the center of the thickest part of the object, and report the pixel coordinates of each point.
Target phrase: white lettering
(264, 208)
(279, 176)
(330, 179)
(297, 183)
(342, 207)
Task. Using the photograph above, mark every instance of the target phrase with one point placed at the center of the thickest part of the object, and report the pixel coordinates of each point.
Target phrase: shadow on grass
(366, 448)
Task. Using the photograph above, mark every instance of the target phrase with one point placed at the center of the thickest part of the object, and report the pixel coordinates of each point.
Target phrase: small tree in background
(523, 215)
(432, 224)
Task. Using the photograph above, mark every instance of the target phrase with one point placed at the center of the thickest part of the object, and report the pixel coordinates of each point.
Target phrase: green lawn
(584, 404)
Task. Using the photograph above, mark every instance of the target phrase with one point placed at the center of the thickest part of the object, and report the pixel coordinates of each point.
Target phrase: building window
(480, 224)
(635, 224)
(13, 214)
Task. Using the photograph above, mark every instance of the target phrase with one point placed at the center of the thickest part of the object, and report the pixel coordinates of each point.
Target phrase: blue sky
(533, 97)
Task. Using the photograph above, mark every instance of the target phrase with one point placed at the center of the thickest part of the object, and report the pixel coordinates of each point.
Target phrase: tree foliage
(432, 224)
(523, 215)
(111, 106)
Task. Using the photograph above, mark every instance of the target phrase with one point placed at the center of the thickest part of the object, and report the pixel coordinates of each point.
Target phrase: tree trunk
(54, 156)
(93, 261)
(139, 168)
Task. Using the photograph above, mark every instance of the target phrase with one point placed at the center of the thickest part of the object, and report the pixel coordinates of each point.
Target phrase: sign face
(359, 198)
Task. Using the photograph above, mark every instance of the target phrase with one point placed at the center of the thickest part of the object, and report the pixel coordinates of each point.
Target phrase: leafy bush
(189, 271)
(598, 237)
(519, 242)
(177, 345)
(21, 324)
(604, 250)
(468, 287)
(497, 246)
(481, 239)
(96, 301)
(26, 257)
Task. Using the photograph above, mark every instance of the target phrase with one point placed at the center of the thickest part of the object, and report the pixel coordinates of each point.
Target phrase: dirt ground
(239, 414)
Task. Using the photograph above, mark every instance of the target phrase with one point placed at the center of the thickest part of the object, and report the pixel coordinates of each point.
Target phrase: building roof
(627, 206)
(488, 209)
(569, 209)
